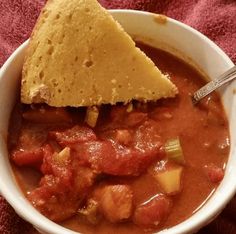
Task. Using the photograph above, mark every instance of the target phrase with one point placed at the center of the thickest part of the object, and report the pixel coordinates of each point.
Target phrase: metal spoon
(214, 84)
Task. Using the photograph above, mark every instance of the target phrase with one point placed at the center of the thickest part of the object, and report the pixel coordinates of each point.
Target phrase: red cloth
(214, 18)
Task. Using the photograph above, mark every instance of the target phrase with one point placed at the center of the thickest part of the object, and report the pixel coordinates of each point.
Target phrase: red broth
(126, 165)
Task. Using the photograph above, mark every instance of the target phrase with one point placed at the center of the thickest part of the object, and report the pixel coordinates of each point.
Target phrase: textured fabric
(214, 18)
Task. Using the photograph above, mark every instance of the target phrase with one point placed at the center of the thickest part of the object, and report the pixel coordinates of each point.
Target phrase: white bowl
(171, 35)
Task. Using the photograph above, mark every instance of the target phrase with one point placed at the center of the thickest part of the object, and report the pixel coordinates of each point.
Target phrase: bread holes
(59, 90)
(69, 17)
(57, 16)
(49, 42)
(76, 58)
(90, 28)
(41, 75)
(61, 39)
(45, 14)
(87, 10)
(55, 83)
(88, 63)
(50, 50)
(119, 86)
(81, 91)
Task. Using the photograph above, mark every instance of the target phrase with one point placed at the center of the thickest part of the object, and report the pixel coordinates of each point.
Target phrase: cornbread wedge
(80, 56)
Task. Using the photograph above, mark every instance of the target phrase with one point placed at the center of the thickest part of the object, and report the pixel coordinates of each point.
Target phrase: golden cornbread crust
(80, 56)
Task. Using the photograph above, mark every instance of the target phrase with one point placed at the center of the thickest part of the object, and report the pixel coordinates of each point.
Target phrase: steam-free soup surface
(110, 180)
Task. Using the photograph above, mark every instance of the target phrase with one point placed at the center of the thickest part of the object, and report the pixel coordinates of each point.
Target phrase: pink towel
(214, 18)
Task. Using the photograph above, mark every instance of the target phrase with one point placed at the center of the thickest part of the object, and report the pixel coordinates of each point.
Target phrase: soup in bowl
(157, 166)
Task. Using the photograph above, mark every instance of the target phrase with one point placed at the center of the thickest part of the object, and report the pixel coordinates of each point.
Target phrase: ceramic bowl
(158, 31)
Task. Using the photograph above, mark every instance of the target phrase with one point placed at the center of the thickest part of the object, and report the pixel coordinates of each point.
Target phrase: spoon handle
(214, 84)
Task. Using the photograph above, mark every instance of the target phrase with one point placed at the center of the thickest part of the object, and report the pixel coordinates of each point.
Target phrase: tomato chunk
(152, 212)
(74, 135)
(115, 159)
(51, 199)
(115, 202)
(27, 158)
(214, 174)
(57, 199)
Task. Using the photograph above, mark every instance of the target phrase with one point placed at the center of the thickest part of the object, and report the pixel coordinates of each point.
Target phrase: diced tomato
(115, 159)
(135, 118)
(152, 212)
(84, 178)
(51, 199)
(46, 167)
(77, 134)
(123, 136)
(47, 115)
(28, 158)
(50, 165)
(115, 202)
(214, 174)
(56, 198)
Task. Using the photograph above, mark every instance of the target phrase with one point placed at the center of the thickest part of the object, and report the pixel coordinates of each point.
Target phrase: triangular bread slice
(80, 56)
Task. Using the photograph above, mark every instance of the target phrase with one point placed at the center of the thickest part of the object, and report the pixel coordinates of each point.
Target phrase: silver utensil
(214, 84)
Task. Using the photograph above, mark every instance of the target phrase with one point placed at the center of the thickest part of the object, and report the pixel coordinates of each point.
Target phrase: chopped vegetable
(92, 116)
(174, 150)
(90, 212)
(116, 202)
(62, 157)
(130, 107)
(170, 180)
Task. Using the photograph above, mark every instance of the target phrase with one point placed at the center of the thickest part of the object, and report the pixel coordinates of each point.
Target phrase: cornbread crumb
(160, 19)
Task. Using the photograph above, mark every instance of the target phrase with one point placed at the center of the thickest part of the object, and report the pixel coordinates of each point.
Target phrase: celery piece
(170, 180)
(92, 116)
(174, 150)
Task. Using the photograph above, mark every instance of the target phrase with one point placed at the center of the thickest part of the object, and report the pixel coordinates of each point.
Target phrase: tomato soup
(142, 167)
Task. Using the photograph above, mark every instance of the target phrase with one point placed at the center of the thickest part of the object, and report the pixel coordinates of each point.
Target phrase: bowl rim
(48, 226)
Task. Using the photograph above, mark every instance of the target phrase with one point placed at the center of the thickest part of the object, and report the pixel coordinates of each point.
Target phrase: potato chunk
(170, 180)
(116, 202)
